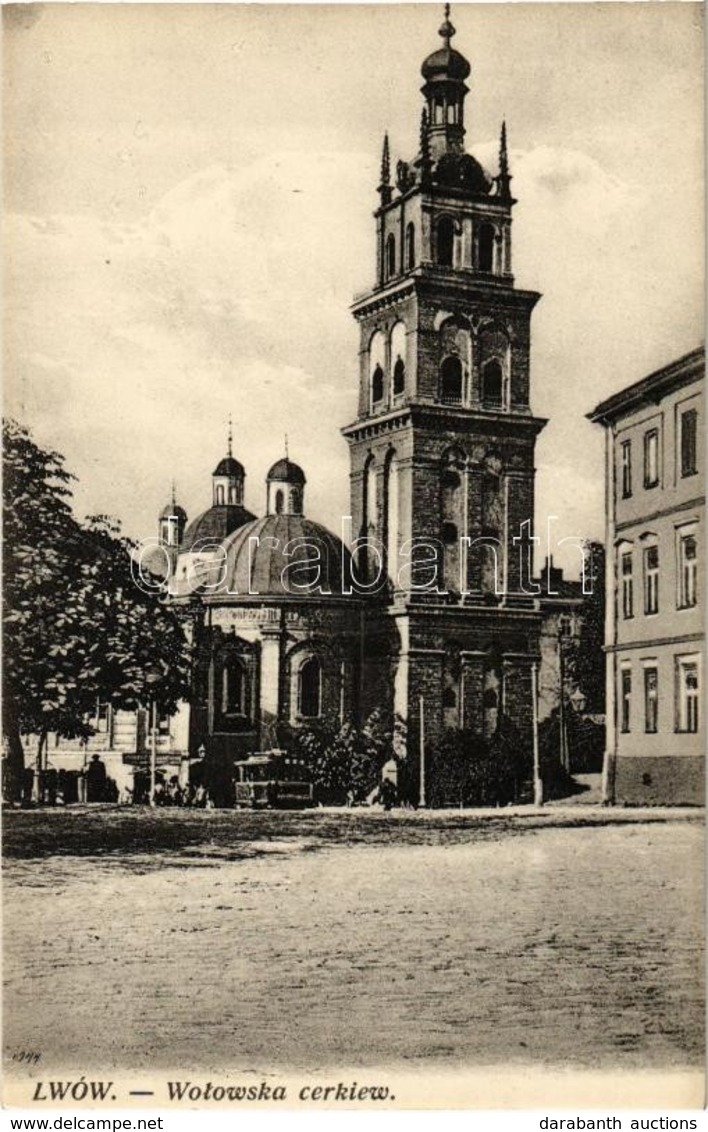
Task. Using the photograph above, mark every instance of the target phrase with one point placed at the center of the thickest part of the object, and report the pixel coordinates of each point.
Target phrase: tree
(76, 627)
(588, 658)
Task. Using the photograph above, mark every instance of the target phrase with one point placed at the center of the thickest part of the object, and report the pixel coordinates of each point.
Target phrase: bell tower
(442, 448)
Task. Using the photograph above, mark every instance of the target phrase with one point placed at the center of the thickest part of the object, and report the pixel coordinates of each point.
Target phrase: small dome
(216, 524)
(286, 472)
(262, 569)
(446, 63)
(228, 467)
(173, 511)
(464, 171)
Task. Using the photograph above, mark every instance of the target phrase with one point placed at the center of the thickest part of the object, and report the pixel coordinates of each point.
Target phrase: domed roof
(464, 171)
(173, 511)
(216, 524)
(229, 466)
(316, 564)
(284, 470)
(446, 63)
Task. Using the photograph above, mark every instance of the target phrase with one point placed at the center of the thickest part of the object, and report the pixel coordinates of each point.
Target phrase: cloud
(127, 345)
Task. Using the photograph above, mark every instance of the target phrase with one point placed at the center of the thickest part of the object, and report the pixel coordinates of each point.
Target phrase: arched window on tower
(233, 687)
(492, 385)
(399, 377)
(390, 255)
(398, 354)
(309, 698)
(279, 502)
(410, 247)
(451, 380)
(219, 495)
(445, 240)
(486, 248)
(377, 385)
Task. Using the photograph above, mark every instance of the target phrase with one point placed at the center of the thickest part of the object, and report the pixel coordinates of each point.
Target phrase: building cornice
(652, 389)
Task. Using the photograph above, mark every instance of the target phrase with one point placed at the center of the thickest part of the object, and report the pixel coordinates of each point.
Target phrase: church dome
(316, 564)
(446, 63)
(173, 511)
(463, 171)
(284, 471)
(229, 466)
(215, 525)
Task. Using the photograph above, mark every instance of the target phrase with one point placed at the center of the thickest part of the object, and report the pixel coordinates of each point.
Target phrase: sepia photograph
(353, 746)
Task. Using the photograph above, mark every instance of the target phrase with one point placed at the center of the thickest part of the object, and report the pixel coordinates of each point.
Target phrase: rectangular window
(689, 436)
(651, 700)
(626, 469)
(688, 571)
(651, 457)
(688, 689)
(626, 699)
(627, 586)
(651, 579)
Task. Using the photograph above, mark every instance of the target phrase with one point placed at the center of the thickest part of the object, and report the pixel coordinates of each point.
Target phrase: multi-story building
(442, 448)
(655, 498)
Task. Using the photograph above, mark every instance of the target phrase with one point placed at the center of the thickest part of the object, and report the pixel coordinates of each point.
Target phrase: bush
(466, 770)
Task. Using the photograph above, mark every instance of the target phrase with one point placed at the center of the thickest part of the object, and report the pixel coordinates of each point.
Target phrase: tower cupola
(445, 72)
(285, 484)
(173, 520)
(228, 478)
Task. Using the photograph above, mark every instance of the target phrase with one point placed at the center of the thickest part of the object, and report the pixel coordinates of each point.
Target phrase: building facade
(655, 499)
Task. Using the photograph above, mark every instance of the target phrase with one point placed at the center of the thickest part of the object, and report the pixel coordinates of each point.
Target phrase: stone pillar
(269, 706)
(519, 509)
(517, 706)
(472, 691)
(475, 498)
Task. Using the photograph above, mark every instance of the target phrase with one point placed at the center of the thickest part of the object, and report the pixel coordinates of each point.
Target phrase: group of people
(170, 793)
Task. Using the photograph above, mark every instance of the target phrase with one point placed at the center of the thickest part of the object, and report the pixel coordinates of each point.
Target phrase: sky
(188, 214)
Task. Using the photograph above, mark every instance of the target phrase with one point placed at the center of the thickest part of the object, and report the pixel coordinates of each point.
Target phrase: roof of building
(445, 63)
(292, 557)
(284, 470)
(215, 525)
(683, 371)
(173, 511)
(229, 466)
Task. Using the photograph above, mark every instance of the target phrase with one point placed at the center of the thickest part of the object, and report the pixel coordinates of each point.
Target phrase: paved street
(474, 942)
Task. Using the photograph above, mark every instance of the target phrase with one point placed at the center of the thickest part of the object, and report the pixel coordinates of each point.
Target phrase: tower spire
(230, 440)
(287, 450)
(174, 494)
(504, 178)
(385, 190)
(425, 159)
(447, 30)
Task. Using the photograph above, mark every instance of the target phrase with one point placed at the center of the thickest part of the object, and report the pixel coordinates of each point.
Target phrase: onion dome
(446, 63)
(284, 471)
(284, 556)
